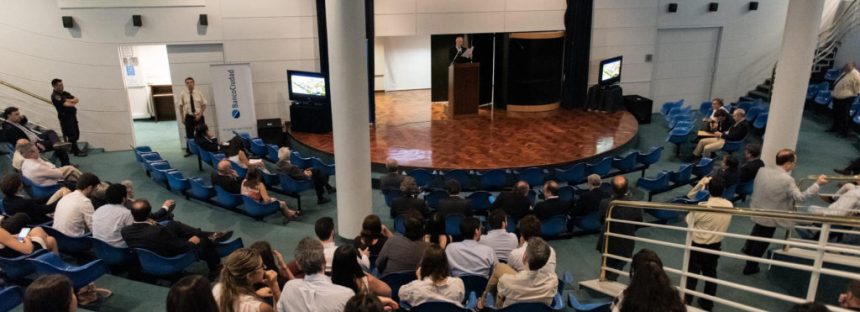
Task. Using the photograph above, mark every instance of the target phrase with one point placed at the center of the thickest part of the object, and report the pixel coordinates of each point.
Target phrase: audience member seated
(319, 179)
(111, 218)
(324, 229)
(716, 105)
(408, 200)
(191, 293)
(850, 299)
(37, 239)
(516, 202)
(402, 253)
(706, 263)
(393, 179)
(752, 163)
(434, 282)
(720, 123)
(650, 288)
(498, 237)
(254, 188)
(44, 173)
(362, 302)
(454, 204)
(469, 257)
(18, 158)
(373, 236)
(172, 239)
(15, 128)
(346, 272)
(528, 228)
(50, 293)
(235, 152)
(845, 203)
(737, 129)
(530, 285)
(315, 292)
(618, 246)
(235, 288)
(207, 140)
(227, 178)
(551, 205)
(39, 210)
(728, 173)
(74, 213)
(589, 201)
(273, 260)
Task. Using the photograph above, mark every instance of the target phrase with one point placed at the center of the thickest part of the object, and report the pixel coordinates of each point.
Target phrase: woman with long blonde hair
(234, 291)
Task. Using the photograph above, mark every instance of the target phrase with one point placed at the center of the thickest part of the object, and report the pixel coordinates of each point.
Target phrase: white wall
(151, 68)
(850, 49)
(407, 62)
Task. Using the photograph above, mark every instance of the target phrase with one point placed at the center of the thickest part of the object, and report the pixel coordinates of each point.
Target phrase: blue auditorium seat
(80, 275)
(811, 92)
(533, 176)
(241, 172)
(112, 256)
(598, 306)
(226, 199)
(573, 175)
(480, 202)
(683, 175)
(69, 244)
(11, 297)
(138, 150)
(258, 147)
(452, 224)
(554, 226)
(732, 146)
(258, 210)
(654, 185)
(433, 198)
(400, 225)
(390, 195)
(272, 152)
(461, 176)
(302, 162)
(668, 106)
(474, 283)
(626, 163)
(567, 193)
(703, 167)
(40, 191)
(493, 179)
(437, 306)
(760, 121)
(423, 178)
(294, 188)
(177, 182)
(159, 172)
(743, 190)
(701, 196)
(652, 156)
(601, 167)
(678, 137)
(706, 109)
(18, 268)
(323, 167)
(589, 223)
(155, 265)
(225, 248)
(199, 190)
(823, 98)
(396, 280)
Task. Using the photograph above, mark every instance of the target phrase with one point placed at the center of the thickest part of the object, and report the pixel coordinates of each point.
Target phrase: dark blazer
(287, 168)
(12, 133)
(454, 205)
(36, 209)
(404, 204)
(390, 181)
(737, 131)
(749, 170)
(452, 51)
(514, 205)
(230, 184)
(155, 238)
(619, 246)
(730, 177)
(550, 208)
(208, 144)
(589, 202)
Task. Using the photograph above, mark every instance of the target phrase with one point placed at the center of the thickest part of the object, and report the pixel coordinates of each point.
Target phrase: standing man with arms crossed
(192, 104)
(67, 112)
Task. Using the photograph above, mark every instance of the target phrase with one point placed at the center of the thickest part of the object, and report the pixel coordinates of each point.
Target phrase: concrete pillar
(800, 38)
(348, 79)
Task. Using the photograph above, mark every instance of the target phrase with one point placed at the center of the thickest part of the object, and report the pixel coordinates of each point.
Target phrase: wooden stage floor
(416, 133)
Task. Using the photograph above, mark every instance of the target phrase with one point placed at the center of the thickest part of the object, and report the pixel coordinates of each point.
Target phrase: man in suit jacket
(454, 204)
(618, 246)
(737, 131)
(15, 128)
(590, 201)
(455, 53)
(753, 163)
(392, 179)
(319, 179)
(552, 205)
(172, 239)
(409, 201)
(516, 202)
(775, 189)
(227, 178)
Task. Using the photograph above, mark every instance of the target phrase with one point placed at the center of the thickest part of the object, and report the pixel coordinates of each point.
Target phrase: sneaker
(218, 237)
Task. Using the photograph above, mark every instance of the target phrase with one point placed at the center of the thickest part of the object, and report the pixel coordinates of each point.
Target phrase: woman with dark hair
(373, 236)
(362, 302)
(346, 271)
(50, 293)
(254, 188)
(235, 292)
(650, 288)
(273, 260)
(434, 282)
(37, 209)
(191, 294)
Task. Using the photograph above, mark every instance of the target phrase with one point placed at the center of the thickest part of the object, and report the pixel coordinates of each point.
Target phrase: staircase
(30, 102)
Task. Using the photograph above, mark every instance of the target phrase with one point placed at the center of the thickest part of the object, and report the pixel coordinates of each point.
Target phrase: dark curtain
(577, 25)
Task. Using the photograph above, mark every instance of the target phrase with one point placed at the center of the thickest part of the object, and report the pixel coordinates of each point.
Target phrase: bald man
(618, 246)
(552, 205)
(515, 203)
(227, 178)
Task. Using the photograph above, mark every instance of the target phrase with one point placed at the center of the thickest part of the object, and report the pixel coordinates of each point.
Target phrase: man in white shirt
(469, 257)
(192, 104)
(498, 237)
(40, 171)
(324, 228)
(74, 213)
(529, 227)
(706, 263)
(315, 292)
(845, 90)
(110, 218)
(533, 284)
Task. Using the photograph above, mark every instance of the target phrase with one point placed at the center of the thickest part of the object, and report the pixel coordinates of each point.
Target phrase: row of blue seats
(682, 120)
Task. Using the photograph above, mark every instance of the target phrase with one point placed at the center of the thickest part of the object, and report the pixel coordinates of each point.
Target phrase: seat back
(68, 244)
(589, 222)
(601, 167)
(703, 167)
(293, 186)
(729, 192)
(422, 177)
(270, 179)
(461, 176)
(177, 182)
(112, 255)
(760, 121)
(199, 190)
(533, 176)
(257, 209)
(745, 188)
(258, 147)
(480, 201)
(657, 183)
(437, 306)
(433, 198)
(566, 194)
(225, 248)
(512, 224)
(599, 306)
(626, 162)
(400, 225)
(452, 224)
(493, 179)
(192, 146)
(216, 158)
(823, 97)
(390, 195)
(13, 296)
(226, 199)
(706, 108)
(322, 167)
(272, 152)
(153, 264)
(297, 160)
(17, 268)
(554, 226)
(241, 172)
(651, 157)
(527, 307)
(80, 276)
(683, 175)
(396, 280)
(572, 175)
(474, 283)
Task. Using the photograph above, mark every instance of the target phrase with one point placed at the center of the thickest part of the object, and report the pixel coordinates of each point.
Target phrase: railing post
(815, 275)
(685, 265)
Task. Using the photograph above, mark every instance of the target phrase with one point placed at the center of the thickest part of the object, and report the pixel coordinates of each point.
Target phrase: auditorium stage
(417, 133)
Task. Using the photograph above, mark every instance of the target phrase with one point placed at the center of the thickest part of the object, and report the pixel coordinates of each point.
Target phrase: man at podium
(458, 53)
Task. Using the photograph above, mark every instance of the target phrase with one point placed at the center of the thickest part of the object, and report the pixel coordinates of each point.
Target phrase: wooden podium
(463, 86)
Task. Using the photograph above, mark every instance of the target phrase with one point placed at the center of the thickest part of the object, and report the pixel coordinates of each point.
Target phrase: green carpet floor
(818, 152)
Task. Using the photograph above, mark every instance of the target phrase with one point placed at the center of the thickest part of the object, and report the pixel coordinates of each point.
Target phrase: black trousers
(704, 264)
(757, 248)
(205, 250)
(320, 181)
(191, 124)
(841, 115)
(69, 126)
(854, 166)
(48, 139)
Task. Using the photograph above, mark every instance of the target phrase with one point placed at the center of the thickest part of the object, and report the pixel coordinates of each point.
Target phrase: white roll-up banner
(233, 94)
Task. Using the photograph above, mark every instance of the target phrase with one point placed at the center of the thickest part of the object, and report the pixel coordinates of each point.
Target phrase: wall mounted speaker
(68, 22)
(753, 5)
(136, 20)
(713, 6)
(673, 7)
(204, 20)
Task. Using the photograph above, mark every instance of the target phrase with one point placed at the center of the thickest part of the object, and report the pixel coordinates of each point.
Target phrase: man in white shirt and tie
(192, 104)
(845, 90)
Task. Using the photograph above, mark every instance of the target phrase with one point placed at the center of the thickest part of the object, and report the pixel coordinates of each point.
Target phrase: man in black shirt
(551, 206)
(454, 204)
(392, 179)
(455, 53)
(227, 178)
(67, 112)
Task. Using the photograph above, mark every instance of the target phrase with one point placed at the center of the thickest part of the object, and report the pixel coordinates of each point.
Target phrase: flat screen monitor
(307, 86)
(610, 71)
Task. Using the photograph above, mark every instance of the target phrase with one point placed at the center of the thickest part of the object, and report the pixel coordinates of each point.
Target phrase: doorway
(146, 75)
(684, 65)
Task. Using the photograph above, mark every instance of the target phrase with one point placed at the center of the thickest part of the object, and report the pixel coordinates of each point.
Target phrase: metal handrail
(19, 89)
(746, 212)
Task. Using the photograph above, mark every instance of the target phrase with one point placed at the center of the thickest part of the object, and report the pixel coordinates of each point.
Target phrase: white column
(348, 79)
(800, 38)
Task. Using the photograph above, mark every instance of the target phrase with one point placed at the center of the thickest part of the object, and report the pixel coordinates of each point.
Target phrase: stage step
(764, 88)
(759, 95)
(612, 289)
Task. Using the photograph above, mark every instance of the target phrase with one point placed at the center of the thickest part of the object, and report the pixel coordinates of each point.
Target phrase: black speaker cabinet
(204, 20)
(640, 107)
(269, 130)
(753, 5)
(673, 7)
(136, 20)
(68, 22)
(310, 117)
(713, 7)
